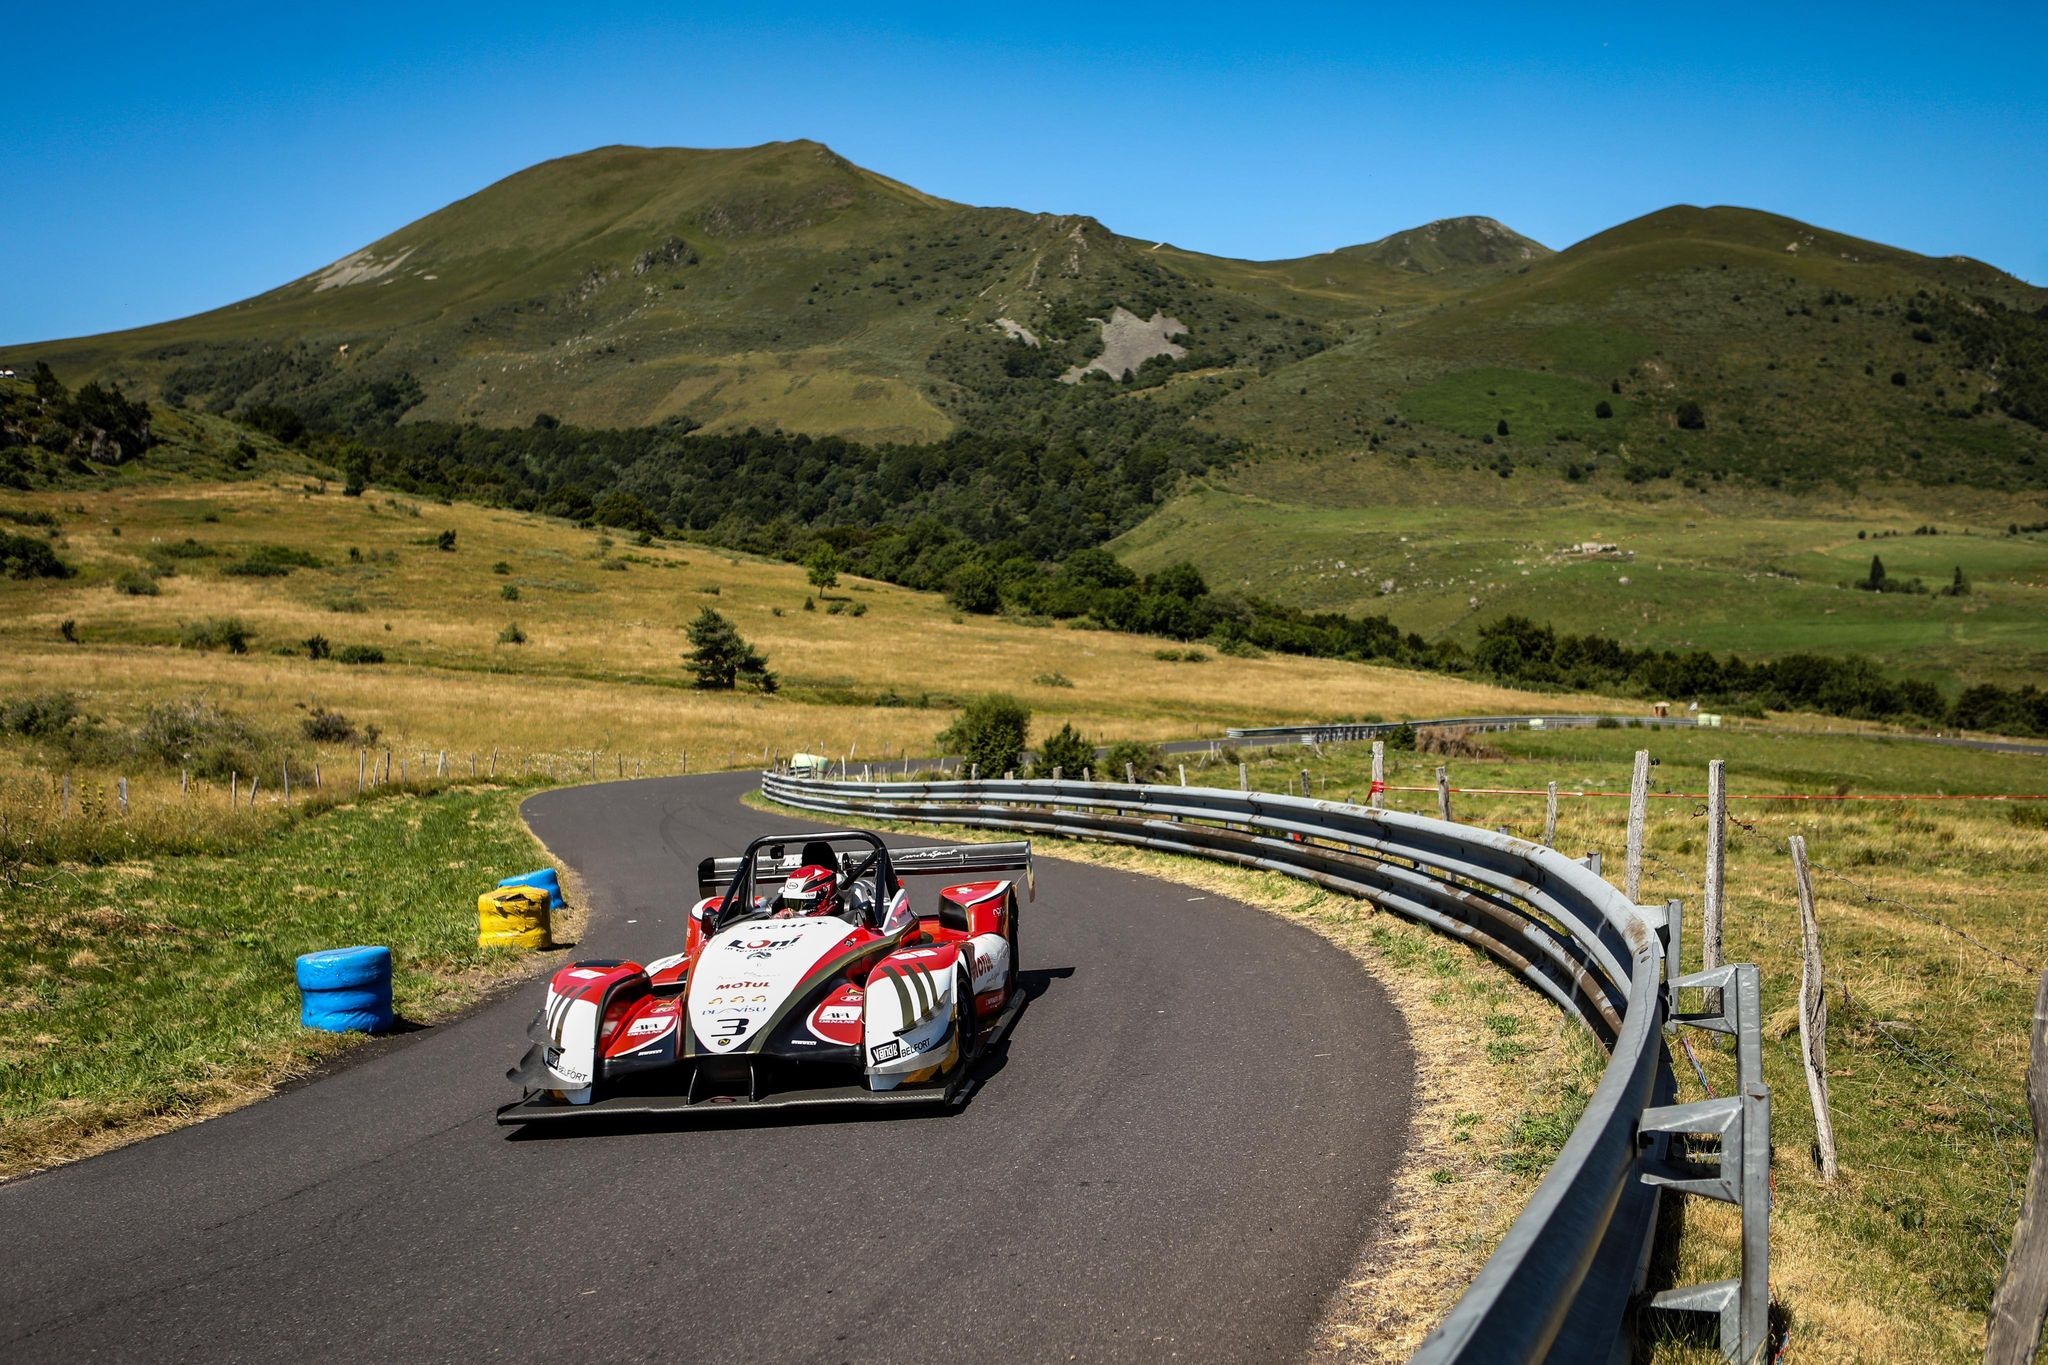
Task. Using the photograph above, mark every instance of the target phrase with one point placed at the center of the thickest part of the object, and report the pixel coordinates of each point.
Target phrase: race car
(806, 977)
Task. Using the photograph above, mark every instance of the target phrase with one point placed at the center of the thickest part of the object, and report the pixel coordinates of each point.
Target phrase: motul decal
(741, 986)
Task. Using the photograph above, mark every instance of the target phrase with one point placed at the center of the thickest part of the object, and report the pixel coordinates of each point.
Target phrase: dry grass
(614, 633)
(1933, 933)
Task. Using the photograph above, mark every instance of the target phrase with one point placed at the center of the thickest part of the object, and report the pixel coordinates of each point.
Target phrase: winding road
(1179, 1153)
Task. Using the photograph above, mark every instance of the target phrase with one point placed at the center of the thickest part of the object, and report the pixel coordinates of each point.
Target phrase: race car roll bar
(949, 860)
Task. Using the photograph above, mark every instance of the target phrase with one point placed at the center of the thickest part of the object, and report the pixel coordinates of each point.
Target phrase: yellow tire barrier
(513, 917)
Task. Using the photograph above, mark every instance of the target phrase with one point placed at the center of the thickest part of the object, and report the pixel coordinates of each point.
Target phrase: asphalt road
(1179, 1154)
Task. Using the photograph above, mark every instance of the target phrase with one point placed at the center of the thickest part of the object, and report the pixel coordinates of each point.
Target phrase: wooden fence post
(1550, 816)
(1304, 784)
(441, 767)
(254, 783)
(317, 784)
(234, 788)
(361, 760)
(66, 806)
(122, 788)
(2022, 1298)
(184, 781)
(1244, 777)
(1131, 773)
(1638, 809)
(287, 782)
(1055, 772)
(1183, 773)
(494, 765)
(1717, 857)
(1443, 793)
(1377, 797)
(401, 772)
(1813, 1016)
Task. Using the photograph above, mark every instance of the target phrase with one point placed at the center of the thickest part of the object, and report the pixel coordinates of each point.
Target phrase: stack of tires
(346, 990)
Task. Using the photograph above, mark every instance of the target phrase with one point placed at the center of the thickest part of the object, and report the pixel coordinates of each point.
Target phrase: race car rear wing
(949, 860)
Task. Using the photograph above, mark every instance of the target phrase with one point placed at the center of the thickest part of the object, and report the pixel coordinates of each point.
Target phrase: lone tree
(1876, 580)
(990, 734)
(1690, 416)
(721, 659)
(822, 566)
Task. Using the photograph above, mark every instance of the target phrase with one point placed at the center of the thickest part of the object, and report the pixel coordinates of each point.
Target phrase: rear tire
(966, 1025)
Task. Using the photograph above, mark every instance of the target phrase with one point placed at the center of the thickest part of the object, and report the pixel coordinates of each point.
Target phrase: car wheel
(967, 1027)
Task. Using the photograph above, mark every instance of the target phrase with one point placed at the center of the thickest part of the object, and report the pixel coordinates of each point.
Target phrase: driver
(812, 890)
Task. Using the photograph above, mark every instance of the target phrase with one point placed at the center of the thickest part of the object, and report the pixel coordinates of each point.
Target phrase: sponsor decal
(741, 986)
(983, 965)
(640, 1028)
(839, 1014)
(802, 1042)
(584, 974)
(920, 952)
(760, 947)
(887, 1052)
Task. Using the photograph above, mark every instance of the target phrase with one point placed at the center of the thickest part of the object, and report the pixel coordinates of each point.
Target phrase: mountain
(778, 285)
(784, 287)
(1693, 343)
(1452, 244)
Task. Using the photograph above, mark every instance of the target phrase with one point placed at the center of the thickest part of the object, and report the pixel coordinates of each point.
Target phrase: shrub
(135, 583)
(501, 567)
(351, 605)
(194, 733)
(1066, 750)
(1053, 680)
(327, 727)
(974, 589)
(1402, 736)
(39, 716)
(27, 557)
(273, 561)
(445, 541)
(512, 634)
(835, 606)
(510, 592)
(1145, 760)
(1690, 416)
(360, 654)
(1603, 409)
(317, 647)
(857, 609)
(989, 733)
(217, 632)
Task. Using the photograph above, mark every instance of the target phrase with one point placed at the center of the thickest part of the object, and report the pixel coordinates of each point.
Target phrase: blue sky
(161, 160)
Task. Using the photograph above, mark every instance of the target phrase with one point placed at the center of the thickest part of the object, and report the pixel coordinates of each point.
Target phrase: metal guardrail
(1335, 732)
(1562, 1283)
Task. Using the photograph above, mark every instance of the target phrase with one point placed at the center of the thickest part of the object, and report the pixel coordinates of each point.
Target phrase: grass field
(147, 993)
(871, 669)
(1933, 933)
(1745, 572)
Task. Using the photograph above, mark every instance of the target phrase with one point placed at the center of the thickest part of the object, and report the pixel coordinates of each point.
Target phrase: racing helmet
(810, 890)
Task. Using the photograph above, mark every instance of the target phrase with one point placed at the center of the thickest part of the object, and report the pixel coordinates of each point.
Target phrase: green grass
(1742, 572)
(152, 992)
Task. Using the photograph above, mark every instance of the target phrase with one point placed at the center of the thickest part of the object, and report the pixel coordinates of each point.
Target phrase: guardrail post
(1742, 1175)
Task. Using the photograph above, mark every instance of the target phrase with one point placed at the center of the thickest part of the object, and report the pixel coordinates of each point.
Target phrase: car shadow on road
(1031, 983)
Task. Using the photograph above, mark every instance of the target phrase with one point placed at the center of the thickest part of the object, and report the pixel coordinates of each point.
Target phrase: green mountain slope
(778, 285)
(1693, 343)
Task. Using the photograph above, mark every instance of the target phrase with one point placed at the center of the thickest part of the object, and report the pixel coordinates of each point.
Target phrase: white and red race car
(806, 978)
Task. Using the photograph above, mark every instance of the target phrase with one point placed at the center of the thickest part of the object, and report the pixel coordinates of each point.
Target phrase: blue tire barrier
(346, 990)
(546, 879)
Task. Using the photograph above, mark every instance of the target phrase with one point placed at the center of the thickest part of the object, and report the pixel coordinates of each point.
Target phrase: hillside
(1693, 344)
(778, 285)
